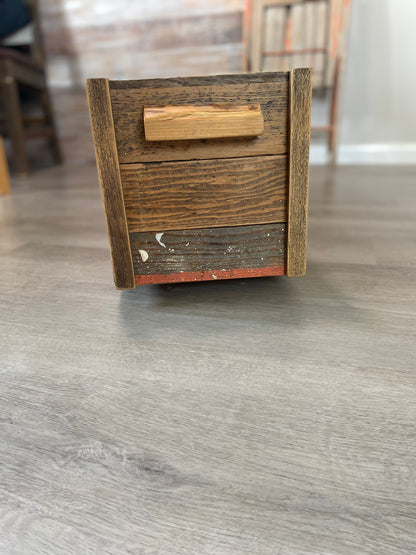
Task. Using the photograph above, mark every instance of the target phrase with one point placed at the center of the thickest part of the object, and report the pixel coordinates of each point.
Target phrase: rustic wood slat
(214, 253)
(175, 123)
(199, 81)
(129, 99)
(298, 178)
(205, 193)
(109, 173)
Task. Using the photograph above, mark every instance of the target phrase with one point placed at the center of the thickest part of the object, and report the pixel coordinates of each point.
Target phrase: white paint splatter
(144, 255)
(187, 244)
(158, 239)
(171, 250)
(214, 276)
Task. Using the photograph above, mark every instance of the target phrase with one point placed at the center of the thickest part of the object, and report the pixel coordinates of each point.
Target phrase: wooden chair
(19, 70)
(282, 34)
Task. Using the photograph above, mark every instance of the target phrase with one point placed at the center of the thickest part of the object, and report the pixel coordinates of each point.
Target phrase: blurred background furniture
(4, 171)
(283, 34)
(23, 81)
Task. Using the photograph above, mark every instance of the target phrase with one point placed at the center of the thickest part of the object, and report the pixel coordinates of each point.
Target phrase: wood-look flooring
(262, 416)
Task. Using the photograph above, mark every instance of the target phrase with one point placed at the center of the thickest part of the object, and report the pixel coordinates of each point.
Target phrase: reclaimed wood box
(204, 177)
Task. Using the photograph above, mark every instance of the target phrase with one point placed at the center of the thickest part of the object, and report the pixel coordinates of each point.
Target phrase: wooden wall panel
(123, 39)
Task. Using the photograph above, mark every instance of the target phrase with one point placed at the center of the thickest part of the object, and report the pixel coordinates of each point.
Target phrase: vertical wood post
(257, 31)
(298, 173)
(14, 119)
(4, 171)
(109, 173)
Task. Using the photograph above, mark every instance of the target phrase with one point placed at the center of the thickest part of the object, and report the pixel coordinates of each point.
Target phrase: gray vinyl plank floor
(262, 416)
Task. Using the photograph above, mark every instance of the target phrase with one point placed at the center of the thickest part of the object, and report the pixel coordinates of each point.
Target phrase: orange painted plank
(236, 273)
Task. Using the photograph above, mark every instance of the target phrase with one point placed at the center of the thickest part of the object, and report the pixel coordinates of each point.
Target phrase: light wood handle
(213, 121)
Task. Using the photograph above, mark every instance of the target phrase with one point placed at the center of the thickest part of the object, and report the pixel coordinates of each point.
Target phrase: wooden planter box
(204, 177)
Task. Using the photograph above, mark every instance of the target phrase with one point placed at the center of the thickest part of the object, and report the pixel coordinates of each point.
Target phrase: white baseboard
(377, 153)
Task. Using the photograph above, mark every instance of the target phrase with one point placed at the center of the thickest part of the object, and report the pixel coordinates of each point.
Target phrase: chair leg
(333, 117)
(14, 124)
(4, 171)
(53, 141)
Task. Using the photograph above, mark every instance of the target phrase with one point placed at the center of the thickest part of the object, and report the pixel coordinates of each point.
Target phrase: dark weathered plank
(109, 173)
(206, 193)
(130, 97)
(215, 253)
(300, 123)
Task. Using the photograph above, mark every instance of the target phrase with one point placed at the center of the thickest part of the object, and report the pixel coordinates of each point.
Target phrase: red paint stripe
(288, 34)
(211, 275)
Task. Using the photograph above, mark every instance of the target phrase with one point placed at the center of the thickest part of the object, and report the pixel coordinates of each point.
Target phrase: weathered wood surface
(176, 123)
(206, 193)
(249, 417)
(300, 127)
(130, 97)
(212, 251)
(195, 37)
(109, 173)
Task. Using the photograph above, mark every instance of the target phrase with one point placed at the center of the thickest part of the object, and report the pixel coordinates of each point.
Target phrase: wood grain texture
(300, 124)
(206, 193)
(179, 123)
(130, 97)
(242, 417)
(210, 250)
(109, 173)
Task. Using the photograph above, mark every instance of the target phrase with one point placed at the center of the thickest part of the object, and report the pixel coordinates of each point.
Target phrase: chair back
(283, 34)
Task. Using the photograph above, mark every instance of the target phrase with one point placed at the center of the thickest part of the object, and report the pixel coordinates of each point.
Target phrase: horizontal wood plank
(175, 123)
(183, 277)
(200, 81)
(130, 97)
(206, 193)
(213, 253)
